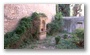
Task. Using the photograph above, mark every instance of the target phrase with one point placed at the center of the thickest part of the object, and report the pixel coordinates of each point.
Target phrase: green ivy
(11, 38)
(14, 36)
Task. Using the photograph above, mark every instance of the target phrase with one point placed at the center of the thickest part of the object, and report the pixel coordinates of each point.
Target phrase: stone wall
(14, 12)
(72, 23)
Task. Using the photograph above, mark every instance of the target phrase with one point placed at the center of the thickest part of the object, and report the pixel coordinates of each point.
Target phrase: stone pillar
(42, 29)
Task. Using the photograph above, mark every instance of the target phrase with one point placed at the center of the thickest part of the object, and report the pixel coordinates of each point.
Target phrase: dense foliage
(11, 38)
(74, 42)
(78, 37)
(64, 9)
(66, 44)
(25, 24)
(79, 33)
(56, 25)
(57, 39)
(65, 36)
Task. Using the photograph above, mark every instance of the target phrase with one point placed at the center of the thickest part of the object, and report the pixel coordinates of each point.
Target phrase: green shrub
(23, 25)
(57, 39)
(58, 16)
(78, 37)
(56, 25)
(34, 15)
(79, 33)
(74, 42)
(65, 36)
(66, 44)
(12, 37)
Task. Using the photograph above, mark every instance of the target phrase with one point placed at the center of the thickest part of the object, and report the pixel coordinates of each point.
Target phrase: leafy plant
(65, 36)
(56, 25)
(74, 42)
(34, 15)
(66, 44)
(57, 39)
(11, 38)
(79, 33)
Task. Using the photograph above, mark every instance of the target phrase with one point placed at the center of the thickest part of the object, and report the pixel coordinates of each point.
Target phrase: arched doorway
(43, 26)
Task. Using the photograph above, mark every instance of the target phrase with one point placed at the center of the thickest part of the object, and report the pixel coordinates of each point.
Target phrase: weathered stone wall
(72, 23)
(14, 12)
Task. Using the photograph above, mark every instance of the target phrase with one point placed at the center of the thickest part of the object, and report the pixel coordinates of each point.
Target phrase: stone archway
(43, 26)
